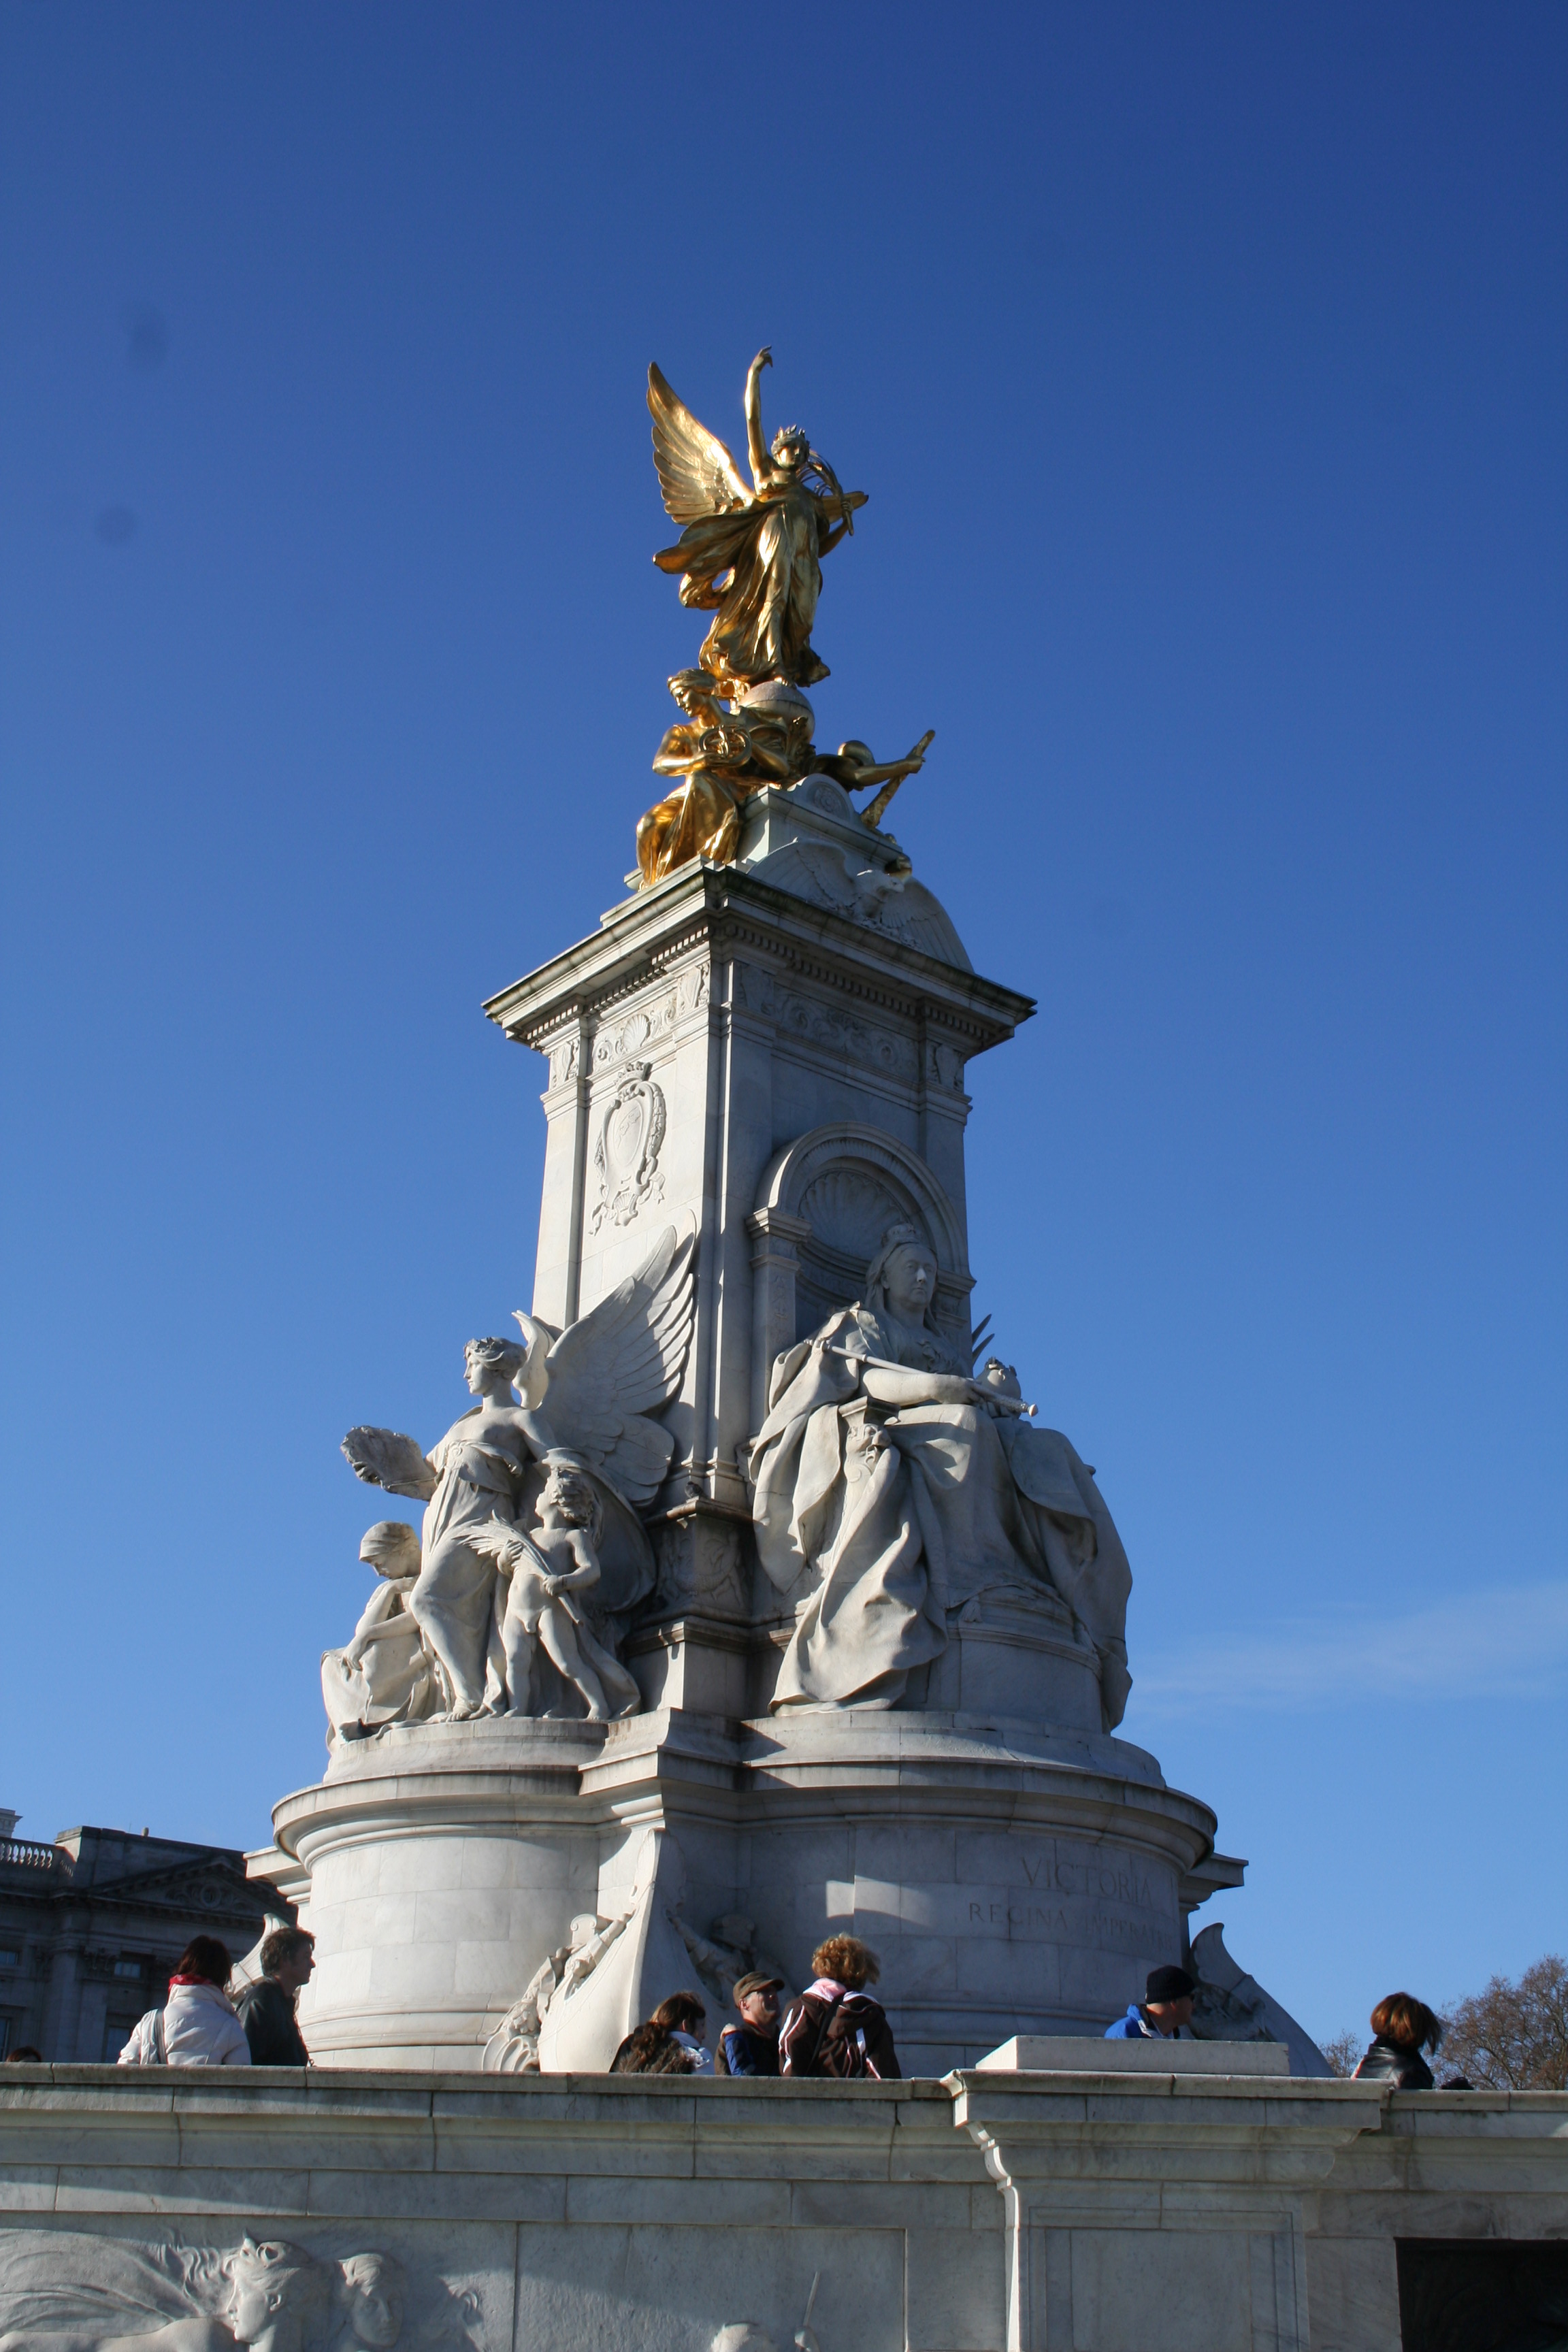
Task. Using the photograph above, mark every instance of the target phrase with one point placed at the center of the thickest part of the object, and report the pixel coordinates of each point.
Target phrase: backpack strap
(829, 2012)
(160, 2039)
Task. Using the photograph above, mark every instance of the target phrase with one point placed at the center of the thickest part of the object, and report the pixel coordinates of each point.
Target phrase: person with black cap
(1165, 2009)
(752, 2046)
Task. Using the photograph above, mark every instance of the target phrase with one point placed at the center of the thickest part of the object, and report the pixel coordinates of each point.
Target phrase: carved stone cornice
(720, 911)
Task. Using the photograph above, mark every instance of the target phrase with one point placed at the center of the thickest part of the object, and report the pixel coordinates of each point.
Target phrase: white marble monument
(751, 1602)
(750, 1588)
(828, 1614)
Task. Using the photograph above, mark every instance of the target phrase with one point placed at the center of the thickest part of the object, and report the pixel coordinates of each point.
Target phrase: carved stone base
(1012, 1653)
(1013, 1879)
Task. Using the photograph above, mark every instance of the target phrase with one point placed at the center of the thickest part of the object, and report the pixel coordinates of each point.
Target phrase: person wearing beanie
(1166, 2010)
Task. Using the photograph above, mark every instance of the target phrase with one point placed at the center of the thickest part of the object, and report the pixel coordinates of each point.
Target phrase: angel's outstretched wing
(696, 473)
(384, 1458)
(622, 1362)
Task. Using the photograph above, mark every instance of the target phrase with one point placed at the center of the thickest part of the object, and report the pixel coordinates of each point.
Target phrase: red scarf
(207, 1980)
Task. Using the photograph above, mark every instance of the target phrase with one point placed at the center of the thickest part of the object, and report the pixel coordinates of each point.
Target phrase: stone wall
(1103, 2212)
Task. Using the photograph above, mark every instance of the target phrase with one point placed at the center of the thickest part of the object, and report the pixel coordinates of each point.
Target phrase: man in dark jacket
(752, 2046)
(266, 2007)
(1165, 2011)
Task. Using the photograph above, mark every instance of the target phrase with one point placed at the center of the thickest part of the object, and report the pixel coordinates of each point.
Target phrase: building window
(5, 2035)
(121, 1967)
(9, 1958)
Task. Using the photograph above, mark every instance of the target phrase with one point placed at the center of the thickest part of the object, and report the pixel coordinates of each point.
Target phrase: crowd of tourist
(835, 2031)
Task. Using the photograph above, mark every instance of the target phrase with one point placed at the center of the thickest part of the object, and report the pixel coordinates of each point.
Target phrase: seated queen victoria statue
(910, 1489)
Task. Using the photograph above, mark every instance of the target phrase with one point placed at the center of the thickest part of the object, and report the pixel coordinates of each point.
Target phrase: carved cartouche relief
(625, 1155)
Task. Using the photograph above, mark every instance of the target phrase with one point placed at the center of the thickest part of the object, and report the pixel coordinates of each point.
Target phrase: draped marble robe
(906, 1514)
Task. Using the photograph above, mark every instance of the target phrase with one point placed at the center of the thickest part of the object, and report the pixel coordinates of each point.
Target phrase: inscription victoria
(1092, 1887)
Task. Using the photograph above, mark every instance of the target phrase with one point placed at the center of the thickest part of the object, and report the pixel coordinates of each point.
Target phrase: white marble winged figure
(606, 1377)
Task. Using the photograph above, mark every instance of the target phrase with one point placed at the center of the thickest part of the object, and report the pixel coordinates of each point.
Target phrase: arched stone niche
(823, 1206)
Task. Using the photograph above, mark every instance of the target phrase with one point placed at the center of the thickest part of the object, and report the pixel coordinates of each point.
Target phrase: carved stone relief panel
(944, 1066)
(623, 1036)
(83, 2291)
(867, 1044)
(625, 1154)
(624, 1033)
(563, 1063)
(691, 990)
(701, 1564)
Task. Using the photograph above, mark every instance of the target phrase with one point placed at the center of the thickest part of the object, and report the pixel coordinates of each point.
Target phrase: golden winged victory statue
(752, 556)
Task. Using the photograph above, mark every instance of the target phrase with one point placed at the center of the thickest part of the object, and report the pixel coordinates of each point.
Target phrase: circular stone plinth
(1013, 1878)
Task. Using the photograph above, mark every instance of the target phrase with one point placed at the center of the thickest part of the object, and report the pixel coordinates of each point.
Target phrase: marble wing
(695, 472)
(622, 1362)
(382, 1457)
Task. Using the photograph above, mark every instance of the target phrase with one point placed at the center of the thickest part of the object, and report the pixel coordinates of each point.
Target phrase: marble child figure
(387, 1672)
(549, 1570)
(909, 1487)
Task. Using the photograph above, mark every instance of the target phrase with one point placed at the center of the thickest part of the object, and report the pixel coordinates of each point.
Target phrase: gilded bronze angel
(752, 557)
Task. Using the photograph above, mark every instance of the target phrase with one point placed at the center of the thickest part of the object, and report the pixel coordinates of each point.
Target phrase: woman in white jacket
(197, 2025)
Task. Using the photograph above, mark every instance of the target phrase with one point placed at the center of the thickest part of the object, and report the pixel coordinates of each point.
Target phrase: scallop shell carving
(850, 1209)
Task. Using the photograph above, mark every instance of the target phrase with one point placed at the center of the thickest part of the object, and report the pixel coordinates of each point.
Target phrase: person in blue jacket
(1164, 2013)
(752, 2046)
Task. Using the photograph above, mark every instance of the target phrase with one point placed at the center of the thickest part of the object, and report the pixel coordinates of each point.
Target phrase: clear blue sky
(1206, 369)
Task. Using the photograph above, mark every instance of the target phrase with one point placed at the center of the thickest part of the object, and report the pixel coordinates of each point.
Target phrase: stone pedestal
(1011, 1879)
(783, 1077)
(771, 1056)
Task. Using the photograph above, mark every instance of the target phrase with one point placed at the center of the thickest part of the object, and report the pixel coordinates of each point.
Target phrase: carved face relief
(631, 1136)
(374, 2303)
(250, 2311)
